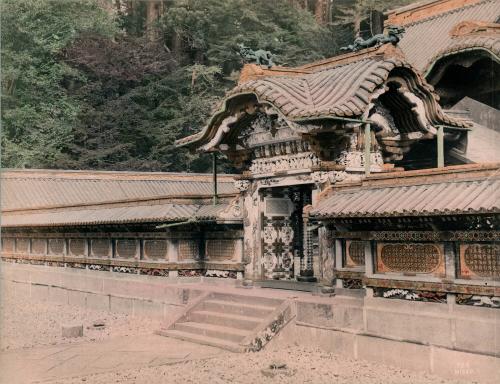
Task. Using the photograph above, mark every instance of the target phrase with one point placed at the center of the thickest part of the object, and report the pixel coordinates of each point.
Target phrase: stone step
(251, 300)
(224, 319)
(211, 330)
(201, 339)
(250, 310)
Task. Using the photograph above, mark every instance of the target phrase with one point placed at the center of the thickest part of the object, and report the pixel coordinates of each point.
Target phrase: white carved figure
(242, 185)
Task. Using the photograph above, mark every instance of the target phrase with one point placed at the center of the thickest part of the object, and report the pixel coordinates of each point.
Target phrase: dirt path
(31, 328)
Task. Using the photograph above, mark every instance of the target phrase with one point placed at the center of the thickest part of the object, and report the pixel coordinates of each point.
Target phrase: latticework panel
(77, 247)
(23, 245)
(410, 258)
(188, 249)
(220, 249)
(480, 261)
(39, 246)
(126, 248)
(8, 244)
(155, 249)
(56, 246)
(355, 253)
(100, 247)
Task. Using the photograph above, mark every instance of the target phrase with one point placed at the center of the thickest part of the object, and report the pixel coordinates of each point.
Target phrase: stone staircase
(237, 323)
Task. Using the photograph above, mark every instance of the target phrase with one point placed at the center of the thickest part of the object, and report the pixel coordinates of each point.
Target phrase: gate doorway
(284, 234)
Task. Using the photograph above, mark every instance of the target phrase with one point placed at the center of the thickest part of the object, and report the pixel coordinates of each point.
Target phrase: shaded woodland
(110, 84)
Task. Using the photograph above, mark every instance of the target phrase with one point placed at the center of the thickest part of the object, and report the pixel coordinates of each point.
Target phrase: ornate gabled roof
(470, 36)
(471, 189)
(339, 87)
(430, 26)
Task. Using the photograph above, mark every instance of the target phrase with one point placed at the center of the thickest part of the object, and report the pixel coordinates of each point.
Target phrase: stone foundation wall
(446, 339)
(140, 295)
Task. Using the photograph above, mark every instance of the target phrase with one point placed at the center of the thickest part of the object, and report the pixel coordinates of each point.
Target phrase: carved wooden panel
(22, 245)
(8, 244)
(78, 247)
(126, 248)
(220, 249)
(410, 258)
(155, 249)
(188, 250)
(355, 253)
(480, 261)
(100, 247)
(39, 246)
(56, 246)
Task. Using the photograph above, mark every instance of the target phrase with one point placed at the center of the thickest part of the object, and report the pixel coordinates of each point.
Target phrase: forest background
(111, 84)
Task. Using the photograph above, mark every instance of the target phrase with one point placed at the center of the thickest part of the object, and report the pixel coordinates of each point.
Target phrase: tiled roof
(426, 37)
(490, 43)
(155, 213)
(339, 88)
(35, 189)
(428, 196)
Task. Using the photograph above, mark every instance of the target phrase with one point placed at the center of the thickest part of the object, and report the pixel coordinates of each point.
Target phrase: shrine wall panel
(100, 247)
(354, 254)
(217, 249)
(189, 250)
(411, 258)
(155, 250)
(479, 261)
(57, 246)
(126, 248)
(78, 247)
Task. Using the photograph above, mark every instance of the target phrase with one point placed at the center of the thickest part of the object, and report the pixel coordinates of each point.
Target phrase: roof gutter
(180, 223)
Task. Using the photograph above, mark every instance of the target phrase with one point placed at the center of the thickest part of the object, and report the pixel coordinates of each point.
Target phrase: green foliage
(37, 113)
(352, 12)
(209, 31)
(82, 89)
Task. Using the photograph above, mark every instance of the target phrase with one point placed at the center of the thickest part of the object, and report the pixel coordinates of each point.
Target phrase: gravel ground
(26, 323)
(302, 366)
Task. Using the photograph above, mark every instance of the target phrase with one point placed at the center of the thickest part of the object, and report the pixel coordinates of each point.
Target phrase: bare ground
(28, 324)
(302, 366)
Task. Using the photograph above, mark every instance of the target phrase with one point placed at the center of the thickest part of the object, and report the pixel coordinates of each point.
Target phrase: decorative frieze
(415, 236)
(410, 294)
(478, 300)
(270, 165)
(352, 283)
(242, 185)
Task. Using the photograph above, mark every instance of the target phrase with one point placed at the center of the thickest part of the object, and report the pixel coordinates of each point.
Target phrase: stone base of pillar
(307, 276)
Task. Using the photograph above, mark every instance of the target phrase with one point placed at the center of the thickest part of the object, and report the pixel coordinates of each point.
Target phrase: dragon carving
(394, 34)
(259, 56)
